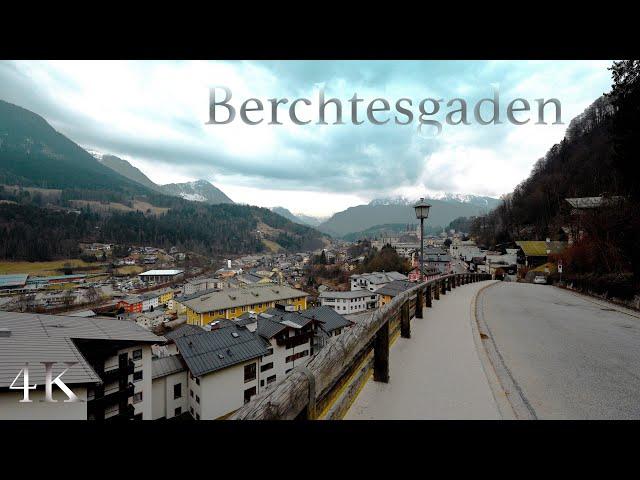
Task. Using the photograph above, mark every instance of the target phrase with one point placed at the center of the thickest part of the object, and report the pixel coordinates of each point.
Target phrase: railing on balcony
(308, 390)
(117, 373)
(99, 403)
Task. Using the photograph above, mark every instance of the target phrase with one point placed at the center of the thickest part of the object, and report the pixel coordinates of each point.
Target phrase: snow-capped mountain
(198, 191)
(476, 200)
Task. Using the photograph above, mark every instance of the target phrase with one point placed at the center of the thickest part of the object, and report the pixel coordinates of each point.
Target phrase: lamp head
(422, 209)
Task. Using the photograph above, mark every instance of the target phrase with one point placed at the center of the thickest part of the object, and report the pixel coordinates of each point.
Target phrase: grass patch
(40, 268)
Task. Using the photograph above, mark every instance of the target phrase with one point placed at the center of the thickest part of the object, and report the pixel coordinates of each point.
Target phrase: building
(111, 371)
(393, 289)
(164, 295)
(346, 303)
(429, 273)
(439, 261)
(534, 253)
(201, 284)
(130, 304)
(373, 281)
(223, 369)
(160, 276)
(234, 302)
(464, 250)
(169, 379)
(13, 282)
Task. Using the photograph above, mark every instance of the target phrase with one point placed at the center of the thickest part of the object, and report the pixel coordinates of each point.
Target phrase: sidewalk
(437, 373)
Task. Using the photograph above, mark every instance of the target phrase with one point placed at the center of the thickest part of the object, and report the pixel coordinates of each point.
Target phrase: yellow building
(392, 289)
(164, 295)
(234, 302)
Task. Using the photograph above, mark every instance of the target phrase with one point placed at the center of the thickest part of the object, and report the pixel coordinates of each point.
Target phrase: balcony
(99, 403)
(294, 341)
(115, 374)
(128, 414)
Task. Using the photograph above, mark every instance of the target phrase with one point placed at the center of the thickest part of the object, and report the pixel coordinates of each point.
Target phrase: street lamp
(422, 212)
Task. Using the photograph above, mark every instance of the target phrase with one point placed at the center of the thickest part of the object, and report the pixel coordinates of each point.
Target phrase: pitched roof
(183, 330)
(379, 277)
(329, 319)
(36, 338)
(538, 248)
(17, 280)
(207, 352)
(163, 366)
(239, 297)
(396, 287)
(161, 272)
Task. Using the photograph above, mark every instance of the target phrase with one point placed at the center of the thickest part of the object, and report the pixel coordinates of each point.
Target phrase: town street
(569, 356)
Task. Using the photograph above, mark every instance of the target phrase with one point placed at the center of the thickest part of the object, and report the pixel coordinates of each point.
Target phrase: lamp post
(422, 212)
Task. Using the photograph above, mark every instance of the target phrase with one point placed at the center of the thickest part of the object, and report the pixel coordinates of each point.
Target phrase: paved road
(571, 357)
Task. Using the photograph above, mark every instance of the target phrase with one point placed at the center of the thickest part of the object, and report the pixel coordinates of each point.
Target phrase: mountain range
(399, 210)
(45, 177)
(198, 190)
(299, 217)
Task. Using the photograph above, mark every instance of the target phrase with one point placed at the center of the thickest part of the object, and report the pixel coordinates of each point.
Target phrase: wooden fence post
(449, 280)
(429, 296)
(453, 281)
(444, 286)
(436, 291)
(405, 321)
(381, 354)
(419, 302)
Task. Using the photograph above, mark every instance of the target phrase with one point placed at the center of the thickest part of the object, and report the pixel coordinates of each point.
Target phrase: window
(271, 379)
(197, 399)
(177, 390)
(266, 366)
(191, 410)
(137, 398)
(191, 393)
(248, 393)
(137, 354)
(197, 416)
(198, 381)
(269, 352)
(249, 372)
(177, 411)
(137, 376)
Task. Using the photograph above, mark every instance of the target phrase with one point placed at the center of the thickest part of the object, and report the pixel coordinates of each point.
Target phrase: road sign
(559, 267)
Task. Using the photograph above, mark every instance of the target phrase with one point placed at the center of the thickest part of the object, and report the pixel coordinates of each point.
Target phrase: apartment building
(223, 368)
(111, 371)
(232, 303)
(392, 290)
(346, 303)
(202, 284)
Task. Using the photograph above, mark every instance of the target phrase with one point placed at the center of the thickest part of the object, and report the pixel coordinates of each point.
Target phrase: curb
(510, 400)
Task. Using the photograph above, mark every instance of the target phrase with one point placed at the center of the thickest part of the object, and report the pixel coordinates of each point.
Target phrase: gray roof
(163, 366)
(17, 280)
(329, 319)
(268, 328)
(239, 297)
(396, 287)
(207, 352)
(183, 330)
(36, 338)
(350, 294)
(380, 277)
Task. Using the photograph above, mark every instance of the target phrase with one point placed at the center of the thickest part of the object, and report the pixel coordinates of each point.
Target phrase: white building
(346, 303)
(464, 250)
(111, 375)
(170, 387)
(373, 281)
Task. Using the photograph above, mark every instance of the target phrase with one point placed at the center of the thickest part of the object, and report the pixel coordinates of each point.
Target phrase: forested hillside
(597, 157)
(56, 194)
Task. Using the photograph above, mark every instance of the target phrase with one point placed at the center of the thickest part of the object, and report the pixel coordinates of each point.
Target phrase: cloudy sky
(154, 114)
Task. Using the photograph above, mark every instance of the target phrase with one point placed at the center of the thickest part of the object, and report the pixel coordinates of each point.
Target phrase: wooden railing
(307, 390)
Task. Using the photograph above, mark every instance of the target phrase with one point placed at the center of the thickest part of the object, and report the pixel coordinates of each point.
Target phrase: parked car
(541, 279)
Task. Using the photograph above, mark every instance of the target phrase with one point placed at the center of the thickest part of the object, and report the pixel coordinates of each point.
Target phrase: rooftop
(33, 338)
(163, 366)
(396, 287)
(160, 272)
(538, 248)
(238, 297)
(379, 277)
(205, 352)
(17, 280)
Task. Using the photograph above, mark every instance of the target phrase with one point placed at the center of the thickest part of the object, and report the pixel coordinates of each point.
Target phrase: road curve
(570, 357)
